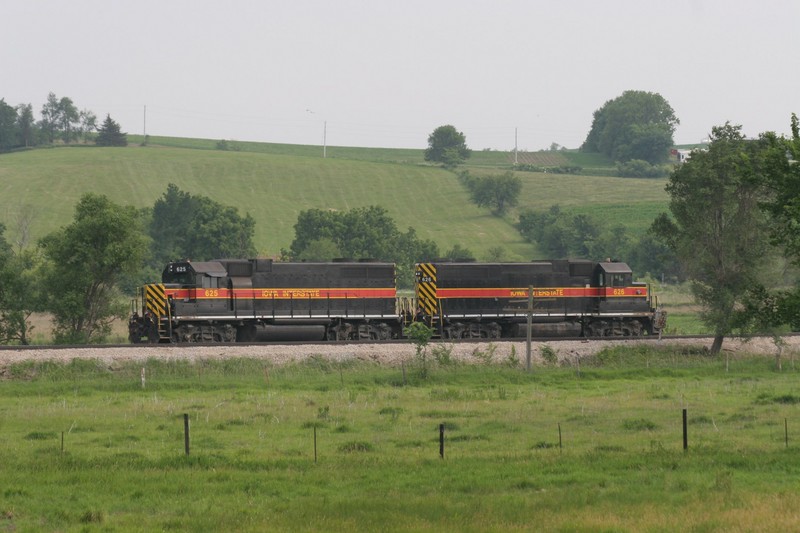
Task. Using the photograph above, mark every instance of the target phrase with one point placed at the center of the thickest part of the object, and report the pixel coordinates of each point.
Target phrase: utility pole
(528, 335)
(324, 135)
(144, 129)
(528, 330)
(515, 146)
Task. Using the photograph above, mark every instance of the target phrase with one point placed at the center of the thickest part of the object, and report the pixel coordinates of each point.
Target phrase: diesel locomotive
(564, 298)
(259, 300)
(255, 300)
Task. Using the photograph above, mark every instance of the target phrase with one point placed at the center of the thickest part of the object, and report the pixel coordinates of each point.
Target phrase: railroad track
(646, 338)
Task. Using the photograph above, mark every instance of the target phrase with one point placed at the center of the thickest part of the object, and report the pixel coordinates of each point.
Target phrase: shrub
(512, 360)
(443, 355)
(639, 424)
(638, 168)
(485, 356)
(356, 446)
(549, 355)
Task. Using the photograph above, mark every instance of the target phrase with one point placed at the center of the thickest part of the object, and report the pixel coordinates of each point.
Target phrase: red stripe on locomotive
(545, 292)
(282, 294)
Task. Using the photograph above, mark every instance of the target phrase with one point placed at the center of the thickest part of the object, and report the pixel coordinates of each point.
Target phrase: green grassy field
(272, 188)
(275, 182)
(595, 448)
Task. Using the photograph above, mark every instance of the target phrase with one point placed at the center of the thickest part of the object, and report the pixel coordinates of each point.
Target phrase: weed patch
(353, 447)
(639, 424)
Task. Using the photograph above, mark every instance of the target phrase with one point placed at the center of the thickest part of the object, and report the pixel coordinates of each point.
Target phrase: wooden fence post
(685, 434)
(186, 432)
(559, 437)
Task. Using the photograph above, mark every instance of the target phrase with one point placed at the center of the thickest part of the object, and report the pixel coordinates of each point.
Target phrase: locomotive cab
(188, 275)
(608, 274)
(627, 301)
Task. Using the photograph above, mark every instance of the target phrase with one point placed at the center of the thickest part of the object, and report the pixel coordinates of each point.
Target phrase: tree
(68, 120)
(320, 250)
(26, 125)
(88, 123)
(186, 226)
(50, 118)
(716, 228)
(780, 177)
(366, 232)
(549, 229)
(86, 261)
(635, 125)
(8, 126)
(459, 253)
(217, 231)
(499, 193)
(109, 134)
(561, 235)
(448, 146)
(782, 180)
(18, 294)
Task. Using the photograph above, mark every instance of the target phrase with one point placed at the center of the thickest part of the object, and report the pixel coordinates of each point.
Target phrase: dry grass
(42, 332)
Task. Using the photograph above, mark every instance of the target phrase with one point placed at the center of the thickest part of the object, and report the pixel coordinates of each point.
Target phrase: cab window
(208, 282)
(618, 280)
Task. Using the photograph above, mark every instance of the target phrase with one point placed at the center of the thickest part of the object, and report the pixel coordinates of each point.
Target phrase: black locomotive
(262, 300)
(254, 300)
(563, 298)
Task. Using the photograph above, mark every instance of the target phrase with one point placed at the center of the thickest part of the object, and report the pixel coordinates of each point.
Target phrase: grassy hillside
(272, 188)
(479, 158)
(275, 182)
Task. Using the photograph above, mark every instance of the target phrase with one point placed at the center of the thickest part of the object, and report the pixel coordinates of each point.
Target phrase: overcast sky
(386, 73)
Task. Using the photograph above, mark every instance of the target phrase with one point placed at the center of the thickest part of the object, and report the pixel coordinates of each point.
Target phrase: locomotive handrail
(169, 317)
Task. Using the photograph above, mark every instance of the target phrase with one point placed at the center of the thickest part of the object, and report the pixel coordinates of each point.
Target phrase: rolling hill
(275, 182)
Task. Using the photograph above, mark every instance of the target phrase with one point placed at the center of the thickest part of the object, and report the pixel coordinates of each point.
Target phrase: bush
(443, 355)
(549, 355)
(358, 446)
(639, 424)
(638, 168)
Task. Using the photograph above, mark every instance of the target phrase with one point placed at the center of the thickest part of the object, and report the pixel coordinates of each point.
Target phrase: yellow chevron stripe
(426, 288)
(156, 299)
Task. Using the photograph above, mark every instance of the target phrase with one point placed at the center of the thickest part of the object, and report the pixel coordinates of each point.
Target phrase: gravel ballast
(386, 354)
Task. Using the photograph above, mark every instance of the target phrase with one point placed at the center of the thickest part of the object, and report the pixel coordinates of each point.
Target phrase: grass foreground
(323, 446)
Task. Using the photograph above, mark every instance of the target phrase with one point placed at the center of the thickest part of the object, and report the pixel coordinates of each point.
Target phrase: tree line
(61, 121)
(84, 273)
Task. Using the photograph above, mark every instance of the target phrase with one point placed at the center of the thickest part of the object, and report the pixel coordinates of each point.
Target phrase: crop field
(275, 182)
(542, 159)
(272, 188)
(326, 446)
